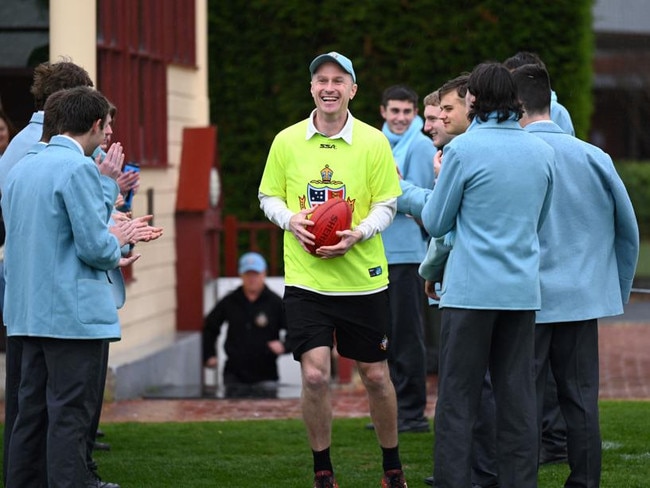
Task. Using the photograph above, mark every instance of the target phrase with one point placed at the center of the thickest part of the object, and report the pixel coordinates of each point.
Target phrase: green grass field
(275, 454)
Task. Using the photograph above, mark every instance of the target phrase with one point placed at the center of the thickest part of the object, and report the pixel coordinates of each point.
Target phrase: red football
(333, 215)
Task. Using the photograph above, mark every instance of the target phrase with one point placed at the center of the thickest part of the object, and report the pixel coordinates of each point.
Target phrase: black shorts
(358, 323)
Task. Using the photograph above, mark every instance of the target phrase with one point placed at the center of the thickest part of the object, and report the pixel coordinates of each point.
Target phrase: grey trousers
(471, 342)
(484, 451)
(406, 350)
(572, 352)
(56, 401)
(94, 424)
(13, 359)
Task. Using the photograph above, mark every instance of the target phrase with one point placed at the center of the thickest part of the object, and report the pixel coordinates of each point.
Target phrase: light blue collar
(400, 143)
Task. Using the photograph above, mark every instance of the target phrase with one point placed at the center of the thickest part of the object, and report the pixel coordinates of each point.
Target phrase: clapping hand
(111, 165)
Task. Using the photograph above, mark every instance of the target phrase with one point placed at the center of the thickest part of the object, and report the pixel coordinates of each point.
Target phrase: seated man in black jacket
(255, 317)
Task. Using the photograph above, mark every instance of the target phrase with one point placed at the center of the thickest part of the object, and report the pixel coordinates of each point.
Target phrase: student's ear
(97, 125)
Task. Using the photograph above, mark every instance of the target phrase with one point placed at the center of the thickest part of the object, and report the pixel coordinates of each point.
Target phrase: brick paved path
(624, 374)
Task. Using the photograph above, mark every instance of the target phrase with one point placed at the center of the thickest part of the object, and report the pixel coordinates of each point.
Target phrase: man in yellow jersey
(339, 295)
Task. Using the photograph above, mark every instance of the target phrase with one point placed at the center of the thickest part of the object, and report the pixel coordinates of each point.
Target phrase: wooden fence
(240, 237)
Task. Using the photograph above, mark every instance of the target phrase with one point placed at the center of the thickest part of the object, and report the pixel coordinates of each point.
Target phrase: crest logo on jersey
(321, 190)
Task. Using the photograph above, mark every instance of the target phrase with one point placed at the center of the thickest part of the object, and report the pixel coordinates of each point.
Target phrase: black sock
(322, 461)
(391, 458)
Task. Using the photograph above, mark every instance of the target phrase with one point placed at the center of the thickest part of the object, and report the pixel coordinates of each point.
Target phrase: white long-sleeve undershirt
(378, 219)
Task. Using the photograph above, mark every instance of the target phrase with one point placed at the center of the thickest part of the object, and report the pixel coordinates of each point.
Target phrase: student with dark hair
(453, 112)
(7, 132)
(405, 244)
(445, 118)
(553, 449)
(591, 236)
(494, 191)
(48, 79)
(559, 114)
(60, 306)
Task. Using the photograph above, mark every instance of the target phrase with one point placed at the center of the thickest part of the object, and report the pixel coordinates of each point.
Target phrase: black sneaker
(413, 427)
(94, 481)
(429, 480)
(101, 446)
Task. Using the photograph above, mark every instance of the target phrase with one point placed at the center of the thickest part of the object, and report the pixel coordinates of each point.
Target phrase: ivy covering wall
(260, 50)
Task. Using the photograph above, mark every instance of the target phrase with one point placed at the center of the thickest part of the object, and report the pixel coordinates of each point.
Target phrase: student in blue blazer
(494, 190)
(559, 114)
(589, 248)
(48, 79)
(405, 244)
(59, 300)
(554, 447)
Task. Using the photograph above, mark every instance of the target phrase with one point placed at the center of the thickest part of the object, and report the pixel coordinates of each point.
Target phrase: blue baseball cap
(334, 57)
(252, 261)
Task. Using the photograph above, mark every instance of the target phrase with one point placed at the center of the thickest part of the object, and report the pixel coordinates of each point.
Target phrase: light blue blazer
(20, 145)
(494, 189)
(560, 115)
(404, 240)
(413, 198)
(116, 279)
(58, 248)
(115, 276)
(590, 239)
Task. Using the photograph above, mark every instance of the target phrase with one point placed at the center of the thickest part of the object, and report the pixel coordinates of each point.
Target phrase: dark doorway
(15, 98)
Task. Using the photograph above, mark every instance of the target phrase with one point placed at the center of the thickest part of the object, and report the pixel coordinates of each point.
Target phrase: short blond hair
(432, 98)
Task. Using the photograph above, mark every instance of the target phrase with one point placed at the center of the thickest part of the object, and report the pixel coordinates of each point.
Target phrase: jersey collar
(345, 134)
